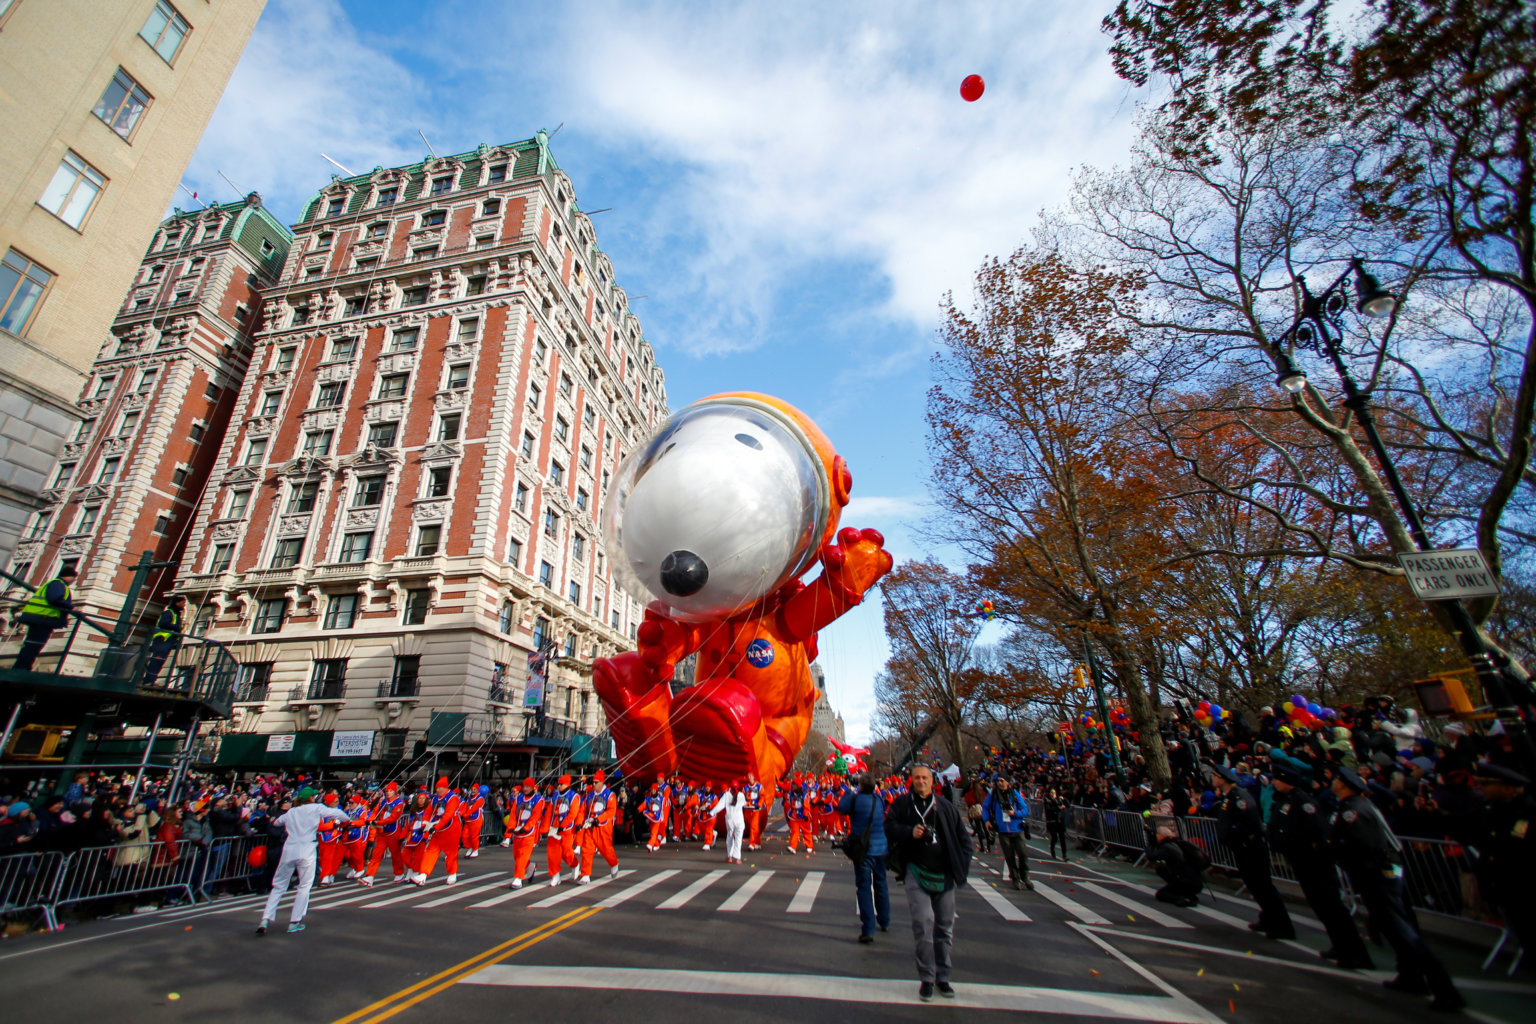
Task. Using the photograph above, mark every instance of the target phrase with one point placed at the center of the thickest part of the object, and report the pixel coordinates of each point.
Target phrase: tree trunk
(1144, 717)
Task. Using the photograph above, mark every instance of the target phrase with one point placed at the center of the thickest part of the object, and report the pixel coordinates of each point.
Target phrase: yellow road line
(471, 965)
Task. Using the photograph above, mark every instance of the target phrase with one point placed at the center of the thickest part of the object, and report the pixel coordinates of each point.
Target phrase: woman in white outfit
(301, 823)
(734, 803)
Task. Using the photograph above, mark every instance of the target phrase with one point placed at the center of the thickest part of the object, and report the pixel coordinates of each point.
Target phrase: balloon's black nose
(683, 573)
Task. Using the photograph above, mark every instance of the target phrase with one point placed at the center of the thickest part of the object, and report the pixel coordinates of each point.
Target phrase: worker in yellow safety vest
(165, 638)
(44, 612)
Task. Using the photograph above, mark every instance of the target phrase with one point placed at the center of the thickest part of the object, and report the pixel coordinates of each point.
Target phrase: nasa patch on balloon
(760, 653)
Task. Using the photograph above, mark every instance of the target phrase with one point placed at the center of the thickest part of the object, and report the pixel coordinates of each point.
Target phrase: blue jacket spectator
(858, 812)
(1006, 812)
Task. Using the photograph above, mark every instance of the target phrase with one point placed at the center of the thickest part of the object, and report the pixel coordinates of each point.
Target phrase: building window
(505, 619)
(433, 218)
(570, 652)
(22, 284)
(73, 190)
(129, 424)
(104, 385)
(540, 350)
(426, 252)
(527, 448)
(475, 285)
(579, 548)
(179, 477)
(196, 431)
(302, 499)
(108, 472)
(566, 387)
(343, 349)
(438, 480)
(468, 328)
(255, 681)
(551, 523)
(520, 499)
(441, 185)
(341, 611)
(382, 435)
(86, 428)
(286, 554)
(370, 492)
(334, 208)
(586, 458)
(574, 593)
(588, 417)
(87, 521)
(147, 382)
(37, 528)
(269, 615)
(515, 553)
(428, 540)
(242, 313)
(547, 574)
(406, 681)
(556, 474)
(540, 632)
(415, 607)
(378, 229)
(162, 524)
(330, 395)
(490, 208)
(324, 239)
(238, 502)
(356, 547)
(356, 305)
(328, 680)
(223, 556)
(366, 264)
(317, 443)
(615, 619)
(255, 451)
(285, 358)
(484, 241)
(387, 196)
(392, 385)
(498, 174)
(415, 296)
(448, 427)
(270, 401)
(458, 376)
(121, 106)
(165, 30)
(562, 429)
(534, 394)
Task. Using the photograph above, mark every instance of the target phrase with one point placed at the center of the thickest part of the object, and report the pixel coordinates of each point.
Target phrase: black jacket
(953, 836)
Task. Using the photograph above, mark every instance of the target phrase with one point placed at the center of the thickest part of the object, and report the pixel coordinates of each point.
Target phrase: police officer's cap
(1488, 771)
(1291, 772)
(1224, 772)
(1352, 780)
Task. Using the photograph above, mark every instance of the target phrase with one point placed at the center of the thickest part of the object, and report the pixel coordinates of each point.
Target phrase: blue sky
(794, 186)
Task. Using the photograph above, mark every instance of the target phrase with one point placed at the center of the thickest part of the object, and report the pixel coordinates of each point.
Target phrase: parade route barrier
(127, 869)
(28, 881)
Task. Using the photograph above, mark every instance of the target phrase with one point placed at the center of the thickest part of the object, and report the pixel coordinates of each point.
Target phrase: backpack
(857, 846)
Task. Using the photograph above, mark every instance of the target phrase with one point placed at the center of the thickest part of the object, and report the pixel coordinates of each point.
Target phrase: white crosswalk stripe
(578, 890)
(638, 888)
(511, 894)
(805, 896)
(999, 903)
(1150, 913)
(681, 898)
(749, 888)
(1070, 905)
(457, 894)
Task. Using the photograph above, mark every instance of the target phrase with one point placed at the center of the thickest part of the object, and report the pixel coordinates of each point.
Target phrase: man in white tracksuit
(734, 803)
(301, 822)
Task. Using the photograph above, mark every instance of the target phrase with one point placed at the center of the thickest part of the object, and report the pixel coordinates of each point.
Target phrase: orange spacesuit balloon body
(717, 517)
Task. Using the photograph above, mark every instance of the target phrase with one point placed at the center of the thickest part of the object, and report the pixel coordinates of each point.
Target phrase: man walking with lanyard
(1005, 810)
(931, 853)
(301, 823)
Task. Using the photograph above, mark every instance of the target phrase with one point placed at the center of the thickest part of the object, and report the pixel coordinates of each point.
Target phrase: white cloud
(876, 508)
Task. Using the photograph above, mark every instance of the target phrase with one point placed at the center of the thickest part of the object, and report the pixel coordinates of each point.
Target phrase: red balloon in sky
(972, 88)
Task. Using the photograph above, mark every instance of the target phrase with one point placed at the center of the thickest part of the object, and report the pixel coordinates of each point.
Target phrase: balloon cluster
(1307, 714)
(1119, 718)
(1207, 714)
(1091, 724)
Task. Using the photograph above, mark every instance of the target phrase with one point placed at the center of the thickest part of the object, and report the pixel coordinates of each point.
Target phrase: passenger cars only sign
(1447, 575)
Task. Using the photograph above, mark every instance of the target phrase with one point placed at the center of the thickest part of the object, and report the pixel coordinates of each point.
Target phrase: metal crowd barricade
(28, 882)
(227, 861)
(102, 872)
(1202, 833)
(1124, 830)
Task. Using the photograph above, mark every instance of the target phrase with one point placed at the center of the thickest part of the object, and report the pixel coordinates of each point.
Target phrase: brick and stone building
(406, 502)
(152, 414)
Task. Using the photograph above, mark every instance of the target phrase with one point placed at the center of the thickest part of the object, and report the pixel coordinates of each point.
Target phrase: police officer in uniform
(1373, 858)
(1506, 848)
(1240, 827)
(164, 639)
(43, 613)
(1298, 830)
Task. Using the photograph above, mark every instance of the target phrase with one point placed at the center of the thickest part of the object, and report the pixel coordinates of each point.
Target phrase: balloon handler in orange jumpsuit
(601, 809)
(560, 841)
(388, 831)
(655, 811)
(418, 830)
(756, 812)
(714, 520)
(445, 830)
(354, 839)
(472, 814)
(529, 813)
(329, 835)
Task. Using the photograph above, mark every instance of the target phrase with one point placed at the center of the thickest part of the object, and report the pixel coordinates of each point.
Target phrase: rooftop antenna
(593, 213)
(429, 145)
(557, 130)
(192, 194)
(335, 164)
(232, 185)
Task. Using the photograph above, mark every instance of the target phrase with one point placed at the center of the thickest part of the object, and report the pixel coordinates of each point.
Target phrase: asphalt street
(681, 935)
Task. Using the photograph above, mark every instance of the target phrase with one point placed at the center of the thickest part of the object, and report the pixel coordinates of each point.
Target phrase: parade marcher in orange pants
(445, 832)
(329, 835)
(560, 841)
(354, 838)
(388, 831)
(655, 811)
(602, 811)
(706, 797)
(418, 829)
(529, 812)
(756, 813)
(472, 815)
(797, 811)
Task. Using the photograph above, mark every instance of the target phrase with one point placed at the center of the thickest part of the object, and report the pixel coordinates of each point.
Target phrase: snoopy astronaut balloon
(713, 522)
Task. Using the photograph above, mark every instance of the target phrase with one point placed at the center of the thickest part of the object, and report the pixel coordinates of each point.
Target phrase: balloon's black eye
(750, 441)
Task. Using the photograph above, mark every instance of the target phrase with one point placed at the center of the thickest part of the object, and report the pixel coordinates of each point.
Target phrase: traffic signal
(1078, 682)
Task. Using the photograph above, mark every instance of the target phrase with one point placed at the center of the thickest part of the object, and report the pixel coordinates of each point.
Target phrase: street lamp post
(1314, 331)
